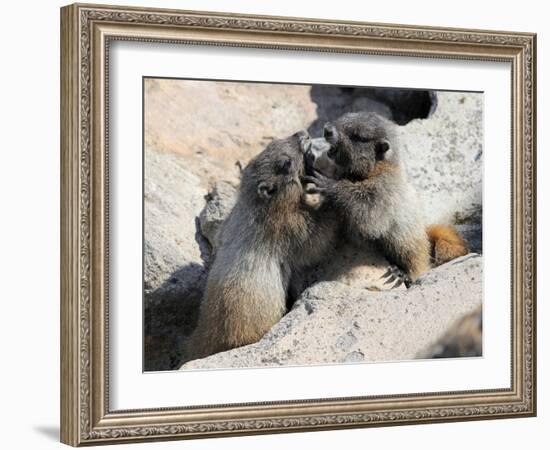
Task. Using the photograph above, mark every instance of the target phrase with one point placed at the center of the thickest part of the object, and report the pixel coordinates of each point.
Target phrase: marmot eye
(359, 138)
(284, 166)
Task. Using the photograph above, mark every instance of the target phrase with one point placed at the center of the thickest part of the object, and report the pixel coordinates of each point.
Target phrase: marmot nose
(329, 131)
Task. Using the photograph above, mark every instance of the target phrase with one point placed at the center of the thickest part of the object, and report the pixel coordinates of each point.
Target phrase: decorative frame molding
(86, 31)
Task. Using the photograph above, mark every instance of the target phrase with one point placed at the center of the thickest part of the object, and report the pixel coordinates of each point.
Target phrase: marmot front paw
(318, 183)
(396, 276)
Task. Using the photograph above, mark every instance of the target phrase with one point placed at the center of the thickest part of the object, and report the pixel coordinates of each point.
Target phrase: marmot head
(274, 175)
(358, 142)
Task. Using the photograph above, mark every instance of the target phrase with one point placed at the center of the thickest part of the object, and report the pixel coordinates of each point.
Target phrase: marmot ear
(382, 146)
(265, 190)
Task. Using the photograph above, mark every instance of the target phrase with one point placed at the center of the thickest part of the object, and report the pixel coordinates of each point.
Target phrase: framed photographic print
(278, 224)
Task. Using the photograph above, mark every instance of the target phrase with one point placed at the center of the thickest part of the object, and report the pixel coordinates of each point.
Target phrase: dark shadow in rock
(400, 105)
(473, 235)
(171, 314)
(469, 224)
(406, 104)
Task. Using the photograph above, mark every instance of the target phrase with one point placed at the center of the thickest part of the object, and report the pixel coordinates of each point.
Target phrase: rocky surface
(173, 199)
(194, 149)
(444, 156)
(174, 272)
(336, 323)
(215, 125)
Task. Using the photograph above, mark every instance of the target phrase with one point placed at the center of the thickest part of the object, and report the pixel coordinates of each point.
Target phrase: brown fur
(384, 168)
(446, 244)
(413, 255)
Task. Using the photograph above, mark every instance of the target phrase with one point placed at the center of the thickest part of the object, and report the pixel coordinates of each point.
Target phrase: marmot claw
(397, 276)
(320, 181)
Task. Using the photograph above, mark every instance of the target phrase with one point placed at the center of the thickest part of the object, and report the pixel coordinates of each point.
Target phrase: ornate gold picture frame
(87, 31)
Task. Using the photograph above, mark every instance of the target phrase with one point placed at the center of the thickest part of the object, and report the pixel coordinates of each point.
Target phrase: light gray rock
(173, 199)
(335, 323)
(174, 273)
(444, 157)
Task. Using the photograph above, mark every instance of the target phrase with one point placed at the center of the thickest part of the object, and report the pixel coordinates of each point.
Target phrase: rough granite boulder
(172, 201)
(335, 323)
(444, 156)
(174, 272)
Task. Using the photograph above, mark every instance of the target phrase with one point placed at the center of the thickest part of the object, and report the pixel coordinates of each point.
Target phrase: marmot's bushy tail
(446, 244)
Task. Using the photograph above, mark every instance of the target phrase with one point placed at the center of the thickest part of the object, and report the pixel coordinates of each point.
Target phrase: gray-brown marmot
(368, 185)
(274, 231)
